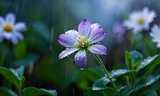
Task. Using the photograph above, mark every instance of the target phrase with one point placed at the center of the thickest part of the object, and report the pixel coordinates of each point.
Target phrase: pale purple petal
(69, 38)
(20, 27)
(1, 21)
(97, 33)
(18, 35)
(14, 40)
(98, 49)
(81, 59)
(67, 52)
(84, 28)
(11, 37)
(7, 35)
(1, 34)
(10, 18)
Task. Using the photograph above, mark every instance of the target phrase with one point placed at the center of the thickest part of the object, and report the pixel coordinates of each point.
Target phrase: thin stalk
(19, 90)
(129, 63)
(51, 38)
(106, 71)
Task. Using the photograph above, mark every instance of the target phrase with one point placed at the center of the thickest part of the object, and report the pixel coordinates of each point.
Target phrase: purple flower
(86, 39)
(119, 31)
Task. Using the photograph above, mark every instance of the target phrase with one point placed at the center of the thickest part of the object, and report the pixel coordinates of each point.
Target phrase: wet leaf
(11, 76)
(31, 91)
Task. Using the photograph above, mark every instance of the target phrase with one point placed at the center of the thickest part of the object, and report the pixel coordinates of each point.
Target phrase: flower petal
(155, 35)
(1, 21)
(7, 35)
(18, 35)
(81, 59)
(10, 18)
(69, 38)
(1, 34)
(84, 28)
(97, 34)
(20, 27)
(67, 52)
(14, 40)
(98, 49)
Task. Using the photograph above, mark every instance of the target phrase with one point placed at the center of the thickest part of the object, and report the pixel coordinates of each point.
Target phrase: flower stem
(106, 71)
(19, 92)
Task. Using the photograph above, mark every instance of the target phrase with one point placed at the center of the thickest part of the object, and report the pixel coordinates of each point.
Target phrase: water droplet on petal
(82, 69)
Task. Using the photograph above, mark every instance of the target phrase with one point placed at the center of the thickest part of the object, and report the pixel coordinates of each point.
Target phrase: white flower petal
(18, 35)
(67, 52)
(7, 35)
(20, 27)
(69, 38)
(155, 34)
(98, 49)
(1, 21)
(10, 18)
(134, 20)
(14, 40)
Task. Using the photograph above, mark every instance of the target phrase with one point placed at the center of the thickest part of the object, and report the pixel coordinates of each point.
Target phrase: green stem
(106, 71)
(129, 62)
(19, 88)
(19, 92)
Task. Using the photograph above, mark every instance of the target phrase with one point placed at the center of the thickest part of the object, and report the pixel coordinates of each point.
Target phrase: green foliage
(139, 77)
(15, 77)
(11, 76)
(7, 92)
(34, 60)
(31, 91)
(102, 82)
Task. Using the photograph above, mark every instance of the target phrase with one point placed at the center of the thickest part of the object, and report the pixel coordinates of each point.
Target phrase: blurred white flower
(155, 34)
(10, 30)
(140, 20)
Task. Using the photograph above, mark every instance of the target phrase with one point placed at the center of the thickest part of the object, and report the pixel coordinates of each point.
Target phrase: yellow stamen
(8, 27)
(82, 43)
(141, 21)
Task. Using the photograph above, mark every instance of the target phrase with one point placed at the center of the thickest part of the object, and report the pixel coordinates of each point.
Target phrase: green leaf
(6, 92)
(11, 76)
(42, 30)
(136, 56)
(31, 91)
(146, 62)
(152, 80)
(119, 72)
(128, 60)
(148, 66)
(100, 84)
(107, 92)
(141, 87)
(20, 50)
(150, 93)
(133, 59)
(20, 70)
(28, 60)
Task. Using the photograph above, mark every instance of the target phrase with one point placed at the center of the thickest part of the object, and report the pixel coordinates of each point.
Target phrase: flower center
(8, 27)
(83, 43)
(141, 21)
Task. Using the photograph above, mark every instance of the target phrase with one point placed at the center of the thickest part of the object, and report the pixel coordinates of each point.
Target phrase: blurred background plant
(37, 55)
